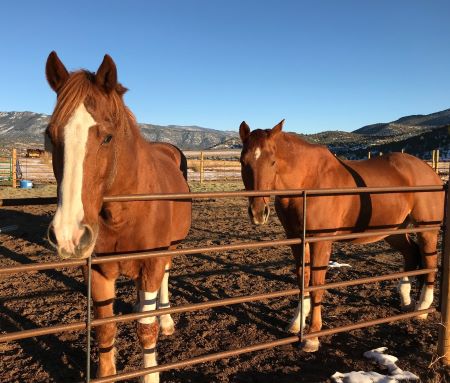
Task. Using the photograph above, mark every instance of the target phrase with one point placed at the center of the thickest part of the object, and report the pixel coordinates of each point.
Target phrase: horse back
(349, 213)
(167, 152)
(393, 169)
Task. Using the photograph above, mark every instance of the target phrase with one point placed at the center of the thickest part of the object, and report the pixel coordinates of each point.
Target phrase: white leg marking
(165, 321)
(404, 289)
(426, 298)
(150, 361)
(70, 213)
(294, 326)
(147, 302)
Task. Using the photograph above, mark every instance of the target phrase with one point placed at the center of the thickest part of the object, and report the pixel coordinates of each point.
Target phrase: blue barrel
(25, 184)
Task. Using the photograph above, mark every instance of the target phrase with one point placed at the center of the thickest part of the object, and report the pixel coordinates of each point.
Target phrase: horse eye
(107, 139)
(273, 163)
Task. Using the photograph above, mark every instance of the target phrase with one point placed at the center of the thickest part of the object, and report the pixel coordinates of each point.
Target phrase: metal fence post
(433, 159)
(88, 320)
(437, 160)
(444, 328)
(302, 292)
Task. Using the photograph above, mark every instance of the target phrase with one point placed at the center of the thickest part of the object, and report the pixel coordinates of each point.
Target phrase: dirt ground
(57, 296)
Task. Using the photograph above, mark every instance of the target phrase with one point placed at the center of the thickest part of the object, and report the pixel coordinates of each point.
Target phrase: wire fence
(203, 166)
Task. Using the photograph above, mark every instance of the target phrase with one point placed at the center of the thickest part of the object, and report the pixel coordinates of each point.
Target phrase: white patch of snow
(334, 264)
(395, 373)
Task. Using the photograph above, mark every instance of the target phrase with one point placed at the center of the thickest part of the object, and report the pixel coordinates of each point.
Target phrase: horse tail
(417, 253)
(183, 163)
(184, 166)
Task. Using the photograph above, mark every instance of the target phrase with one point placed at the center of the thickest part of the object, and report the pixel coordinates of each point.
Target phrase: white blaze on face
(70, 213)
(257, 153)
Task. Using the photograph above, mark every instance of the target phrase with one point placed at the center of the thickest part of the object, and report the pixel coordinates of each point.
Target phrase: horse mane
(81, 87)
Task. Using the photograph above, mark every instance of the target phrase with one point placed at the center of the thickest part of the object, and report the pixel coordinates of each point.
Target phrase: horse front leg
(165, 321)
(153, 271)
(295, 324)
(428, 250)
(320, 255)
(103, 299)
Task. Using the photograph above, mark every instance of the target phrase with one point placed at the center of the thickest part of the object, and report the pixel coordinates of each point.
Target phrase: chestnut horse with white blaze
(272, 159)
(97, 151)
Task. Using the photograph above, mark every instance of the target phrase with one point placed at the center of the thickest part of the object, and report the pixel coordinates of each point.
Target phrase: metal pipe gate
(444, 336)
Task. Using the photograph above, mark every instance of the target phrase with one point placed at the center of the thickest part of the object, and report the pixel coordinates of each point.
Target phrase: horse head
(85, 129)
(259, 167)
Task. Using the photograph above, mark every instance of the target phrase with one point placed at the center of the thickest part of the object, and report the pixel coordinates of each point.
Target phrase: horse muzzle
(259, 217)
(79, 248)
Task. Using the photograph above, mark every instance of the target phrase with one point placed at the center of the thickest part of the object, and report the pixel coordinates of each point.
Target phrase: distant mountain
(26, 129)
(416, 134)
(186, 137)
(412, 125)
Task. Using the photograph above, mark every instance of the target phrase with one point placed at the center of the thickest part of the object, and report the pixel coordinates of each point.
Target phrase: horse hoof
(310, 345)
(150, 378)
(422, 317)
(166, 325)
(167, 330)
(293, 328)
(408, 308)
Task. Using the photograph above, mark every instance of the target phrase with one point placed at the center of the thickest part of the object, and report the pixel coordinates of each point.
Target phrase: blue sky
(321, 65)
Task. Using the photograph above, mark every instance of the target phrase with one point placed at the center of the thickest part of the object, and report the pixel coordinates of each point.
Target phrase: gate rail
(444, 334)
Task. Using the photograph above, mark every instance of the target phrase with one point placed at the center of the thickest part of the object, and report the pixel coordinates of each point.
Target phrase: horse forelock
(81, 88)
(257, 142)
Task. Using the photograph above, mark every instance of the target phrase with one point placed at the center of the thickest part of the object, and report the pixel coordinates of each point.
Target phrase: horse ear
(244, 131)
(277, 128)
(106, 76)
(55, 71)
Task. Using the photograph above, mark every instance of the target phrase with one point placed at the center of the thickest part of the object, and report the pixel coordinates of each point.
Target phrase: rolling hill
(416, 134)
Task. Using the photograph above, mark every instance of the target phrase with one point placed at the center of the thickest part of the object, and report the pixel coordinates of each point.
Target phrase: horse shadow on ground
(46, 350)
(55, 275)
(251, 269)
(31, 227)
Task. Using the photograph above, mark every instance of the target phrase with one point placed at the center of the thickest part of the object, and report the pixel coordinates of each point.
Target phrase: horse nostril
(51, 236)
(87, 238)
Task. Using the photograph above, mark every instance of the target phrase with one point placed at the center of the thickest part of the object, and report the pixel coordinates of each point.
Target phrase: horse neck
(301, 164)
(127, 160)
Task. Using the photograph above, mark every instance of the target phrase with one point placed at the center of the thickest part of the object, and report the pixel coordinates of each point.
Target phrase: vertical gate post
(88, 320)
(437, 160)
(433, 159)
(14, 168)
(444, 328)
(302, 292)
(202, 157)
